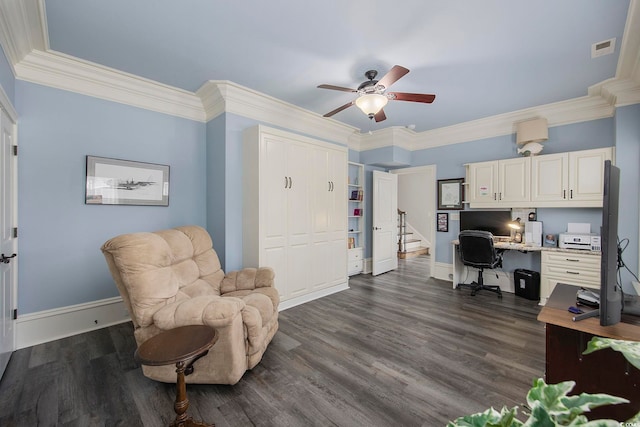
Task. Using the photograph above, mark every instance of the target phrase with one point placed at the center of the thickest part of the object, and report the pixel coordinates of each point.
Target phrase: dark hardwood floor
(394, 350)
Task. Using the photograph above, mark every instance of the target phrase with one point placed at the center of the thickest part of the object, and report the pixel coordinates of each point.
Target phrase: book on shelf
(356, 195)
(352, 242)
(357, 212)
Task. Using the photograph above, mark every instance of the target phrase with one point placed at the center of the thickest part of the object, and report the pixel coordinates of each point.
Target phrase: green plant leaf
(549, 396)
(629, 349)
(489, 418)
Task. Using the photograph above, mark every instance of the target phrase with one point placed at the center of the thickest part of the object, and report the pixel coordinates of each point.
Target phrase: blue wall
(627, 137)
(224, 192)
(60, 236)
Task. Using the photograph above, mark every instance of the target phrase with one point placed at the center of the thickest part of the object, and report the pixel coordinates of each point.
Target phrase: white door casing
(385, 214)
(8, 243)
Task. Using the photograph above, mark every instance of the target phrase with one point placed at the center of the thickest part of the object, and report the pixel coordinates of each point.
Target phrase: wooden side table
(182, 346)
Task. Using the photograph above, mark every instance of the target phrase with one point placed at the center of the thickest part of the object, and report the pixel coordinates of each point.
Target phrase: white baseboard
(50, 325)
(312, 296)
(442, 271)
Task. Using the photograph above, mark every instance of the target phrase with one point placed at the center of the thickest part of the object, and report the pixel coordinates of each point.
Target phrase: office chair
(477, 250)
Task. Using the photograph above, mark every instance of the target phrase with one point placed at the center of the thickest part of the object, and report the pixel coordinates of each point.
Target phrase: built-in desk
(604, 371)
(557, 265)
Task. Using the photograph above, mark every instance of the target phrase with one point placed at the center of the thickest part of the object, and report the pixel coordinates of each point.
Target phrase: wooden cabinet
(294, 212)
(579, 269)
(499, 183)
(569, 179)
(603, 371)
(355, 218)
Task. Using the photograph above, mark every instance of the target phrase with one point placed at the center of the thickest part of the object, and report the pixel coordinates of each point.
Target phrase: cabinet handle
(331, 184)
(495, 196)
(571, 194)
(572, 260)
(573, 272)
(500, 196)
(286, 182)
(564, 194)
(290, 183)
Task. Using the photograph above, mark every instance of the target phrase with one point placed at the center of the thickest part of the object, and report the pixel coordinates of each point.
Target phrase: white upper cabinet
(573, 179)
(499, 183)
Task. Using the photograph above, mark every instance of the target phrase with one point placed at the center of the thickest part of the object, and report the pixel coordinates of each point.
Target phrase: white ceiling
(481, 58)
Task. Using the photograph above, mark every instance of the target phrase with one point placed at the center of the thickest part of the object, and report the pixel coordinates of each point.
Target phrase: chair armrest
(210, 310)
(247, 279)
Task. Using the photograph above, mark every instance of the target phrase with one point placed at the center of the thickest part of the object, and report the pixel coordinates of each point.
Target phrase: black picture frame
(450, 194)
(126, 182)
(442, 223)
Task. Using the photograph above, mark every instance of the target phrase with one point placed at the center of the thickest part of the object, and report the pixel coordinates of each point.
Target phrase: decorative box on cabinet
(499, 183)
(573, 268)
(569, 179)
(355, 199)
(294, 212)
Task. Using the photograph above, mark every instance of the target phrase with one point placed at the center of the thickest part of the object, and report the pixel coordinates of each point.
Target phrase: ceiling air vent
(603, 48)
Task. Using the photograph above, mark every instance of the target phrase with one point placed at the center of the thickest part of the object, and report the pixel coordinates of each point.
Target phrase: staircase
(408, 246)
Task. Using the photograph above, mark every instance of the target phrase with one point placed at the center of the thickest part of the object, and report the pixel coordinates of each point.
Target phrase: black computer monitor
(496, 222)
(611, 297)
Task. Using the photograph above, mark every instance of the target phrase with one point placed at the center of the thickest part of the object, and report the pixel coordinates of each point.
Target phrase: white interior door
(8, 245)
(385, 217)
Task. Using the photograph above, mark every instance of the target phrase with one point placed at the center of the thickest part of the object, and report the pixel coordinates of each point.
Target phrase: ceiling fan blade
(412, 97)
(337, 110)
(332, 87)
(380, 116)
(393, 76)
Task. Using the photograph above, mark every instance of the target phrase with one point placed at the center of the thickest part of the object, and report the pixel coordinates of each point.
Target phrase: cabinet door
(586, 178)
(514, 177)
(298, 210)
(274, 190)
(483, 180)
(337, 217)
(550, 177)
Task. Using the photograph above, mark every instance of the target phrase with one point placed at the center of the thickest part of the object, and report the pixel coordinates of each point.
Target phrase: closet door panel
(274, 191)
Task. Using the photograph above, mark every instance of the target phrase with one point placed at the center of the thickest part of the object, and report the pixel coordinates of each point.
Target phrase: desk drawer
(572, 259)
(568, 267)
(572, 273)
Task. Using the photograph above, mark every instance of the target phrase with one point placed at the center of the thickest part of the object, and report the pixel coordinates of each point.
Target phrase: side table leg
(182, 402)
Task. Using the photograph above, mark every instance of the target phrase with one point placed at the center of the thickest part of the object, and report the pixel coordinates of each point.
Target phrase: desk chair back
(477, 250)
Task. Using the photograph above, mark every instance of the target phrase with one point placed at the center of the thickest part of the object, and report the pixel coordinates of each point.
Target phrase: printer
(586, 241)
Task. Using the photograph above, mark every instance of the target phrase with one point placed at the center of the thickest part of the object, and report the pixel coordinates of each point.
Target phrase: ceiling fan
(372, 97)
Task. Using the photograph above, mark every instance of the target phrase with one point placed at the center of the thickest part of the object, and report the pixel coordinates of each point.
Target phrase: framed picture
(443, 221)
(125, 182)
(450, 194)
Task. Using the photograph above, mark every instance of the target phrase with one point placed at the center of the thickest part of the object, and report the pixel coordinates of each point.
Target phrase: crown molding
(396, 136)
(629, 60)
(560, 113)
(22, 28)
(223, 96)
(72, 74)
(618, 92)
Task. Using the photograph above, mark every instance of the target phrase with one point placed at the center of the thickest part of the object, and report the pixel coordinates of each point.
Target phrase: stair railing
(402, 231)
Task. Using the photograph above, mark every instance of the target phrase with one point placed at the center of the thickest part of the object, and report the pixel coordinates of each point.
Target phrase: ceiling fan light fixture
(371, 103)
